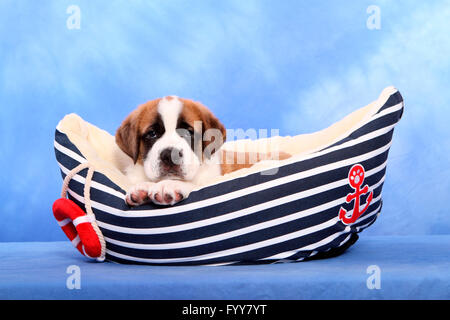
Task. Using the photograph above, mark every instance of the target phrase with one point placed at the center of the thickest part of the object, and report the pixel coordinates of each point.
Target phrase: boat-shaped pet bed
(312, 205)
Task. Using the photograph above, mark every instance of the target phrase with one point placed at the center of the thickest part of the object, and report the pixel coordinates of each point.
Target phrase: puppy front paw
(169, 192)
(139, 194)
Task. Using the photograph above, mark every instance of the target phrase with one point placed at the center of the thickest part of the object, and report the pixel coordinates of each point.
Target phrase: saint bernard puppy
(174, 144)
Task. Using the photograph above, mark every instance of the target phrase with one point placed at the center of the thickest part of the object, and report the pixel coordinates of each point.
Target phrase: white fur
(169, 111)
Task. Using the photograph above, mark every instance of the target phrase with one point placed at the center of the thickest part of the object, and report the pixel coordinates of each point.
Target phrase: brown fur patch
(195, 111)
(128, 136)
(232, 161)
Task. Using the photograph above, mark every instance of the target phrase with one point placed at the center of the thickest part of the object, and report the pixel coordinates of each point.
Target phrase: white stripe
(69, 152)
(256, 245)
(236, 250)
(345, 240)
(283, 255)
(245, 211)
(334, 236)
(76, 241)
(235, 194)
(252, 246)
(365, 218)
(386, 111)
(323, 242)
(262, 186)
(82, 219)
(94, 184)
(64, 222)
(238, 232)
(219, 264)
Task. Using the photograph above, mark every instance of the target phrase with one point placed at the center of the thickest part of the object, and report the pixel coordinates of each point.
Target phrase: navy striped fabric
(292, 215)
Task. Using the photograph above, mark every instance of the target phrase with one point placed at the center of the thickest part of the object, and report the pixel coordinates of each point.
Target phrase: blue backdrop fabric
(292, 65)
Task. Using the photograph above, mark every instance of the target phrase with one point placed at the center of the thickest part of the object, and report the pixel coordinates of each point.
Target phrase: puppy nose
(171, 156)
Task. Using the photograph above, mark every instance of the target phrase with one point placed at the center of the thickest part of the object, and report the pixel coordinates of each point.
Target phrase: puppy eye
(151, 134)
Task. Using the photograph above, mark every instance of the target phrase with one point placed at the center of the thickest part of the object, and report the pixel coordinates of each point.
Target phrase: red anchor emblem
(355, 179)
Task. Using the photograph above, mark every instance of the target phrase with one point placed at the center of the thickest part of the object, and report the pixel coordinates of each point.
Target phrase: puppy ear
(128, 138)
(214, 134)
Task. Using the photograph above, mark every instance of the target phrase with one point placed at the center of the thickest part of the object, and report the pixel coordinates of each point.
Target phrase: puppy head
(170, 137)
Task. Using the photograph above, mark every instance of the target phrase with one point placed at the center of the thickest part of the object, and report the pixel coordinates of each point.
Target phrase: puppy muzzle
(170, 162)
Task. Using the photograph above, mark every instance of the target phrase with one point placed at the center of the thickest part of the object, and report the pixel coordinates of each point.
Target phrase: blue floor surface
(410, 267)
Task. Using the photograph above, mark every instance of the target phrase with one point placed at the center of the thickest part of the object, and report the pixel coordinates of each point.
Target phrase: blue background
(294, 65)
